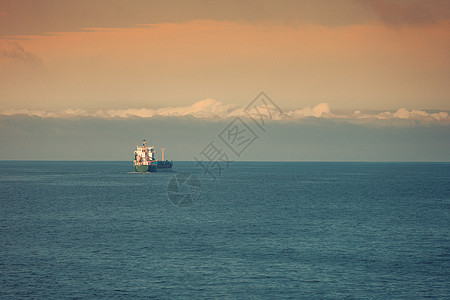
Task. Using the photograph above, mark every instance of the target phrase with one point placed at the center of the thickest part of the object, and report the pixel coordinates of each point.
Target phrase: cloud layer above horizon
(214, 109)
(352, 55)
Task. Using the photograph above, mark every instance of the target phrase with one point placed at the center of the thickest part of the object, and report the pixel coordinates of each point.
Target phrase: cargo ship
(144, 160)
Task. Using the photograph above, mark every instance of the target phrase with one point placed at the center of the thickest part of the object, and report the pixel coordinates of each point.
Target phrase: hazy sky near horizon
(308, 139)
(351, 55)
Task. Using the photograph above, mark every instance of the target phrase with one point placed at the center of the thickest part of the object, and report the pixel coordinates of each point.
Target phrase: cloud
(405, 114)
(41, 17)
(214, 109)
(318, 111)
(409, 12)
(13, 52)
(203, 109)
(208, 108)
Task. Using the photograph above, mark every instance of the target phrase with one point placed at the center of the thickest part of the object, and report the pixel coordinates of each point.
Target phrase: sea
(247, 230)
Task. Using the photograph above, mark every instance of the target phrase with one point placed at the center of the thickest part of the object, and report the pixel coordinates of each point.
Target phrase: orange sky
(376, 63)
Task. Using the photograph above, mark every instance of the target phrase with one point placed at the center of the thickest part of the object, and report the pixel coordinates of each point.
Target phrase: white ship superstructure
(144, 155)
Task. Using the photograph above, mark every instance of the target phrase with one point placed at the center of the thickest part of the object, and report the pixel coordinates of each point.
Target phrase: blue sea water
(260, 231)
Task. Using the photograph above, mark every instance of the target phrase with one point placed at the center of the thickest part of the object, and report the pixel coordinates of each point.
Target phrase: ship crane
(162, 153)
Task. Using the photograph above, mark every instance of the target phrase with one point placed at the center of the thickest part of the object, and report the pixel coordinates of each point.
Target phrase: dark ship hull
(159, 166)
(164, 166)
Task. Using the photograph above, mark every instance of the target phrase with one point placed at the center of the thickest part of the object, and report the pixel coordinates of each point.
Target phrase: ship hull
(164, 166)
(165, 169)
(145, 168)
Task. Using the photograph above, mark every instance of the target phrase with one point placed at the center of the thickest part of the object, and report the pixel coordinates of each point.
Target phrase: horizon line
(245, 161)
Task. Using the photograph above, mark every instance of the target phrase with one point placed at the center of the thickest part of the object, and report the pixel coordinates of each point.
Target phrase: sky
(368, 68)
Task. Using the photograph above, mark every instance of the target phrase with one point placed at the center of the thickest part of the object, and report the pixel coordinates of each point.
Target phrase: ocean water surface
(261, 230)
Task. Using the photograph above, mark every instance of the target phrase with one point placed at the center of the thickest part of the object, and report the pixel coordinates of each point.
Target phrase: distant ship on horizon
(144, 160)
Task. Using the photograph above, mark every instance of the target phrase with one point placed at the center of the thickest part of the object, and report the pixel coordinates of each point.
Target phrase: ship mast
(162, 150)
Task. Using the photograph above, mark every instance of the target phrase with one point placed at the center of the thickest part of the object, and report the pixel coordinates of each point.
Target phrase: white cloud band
(213, 109)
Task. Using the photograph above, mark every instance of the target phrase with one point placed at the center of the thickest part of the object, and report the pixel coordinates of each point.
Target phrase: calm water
(262, 230)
